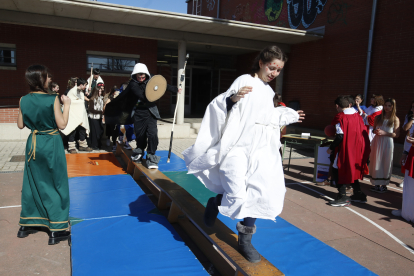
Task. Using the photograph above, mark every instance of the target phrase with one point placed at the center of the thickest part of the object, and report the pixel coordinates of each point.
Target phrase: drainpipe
(218, 9)
(371, 35)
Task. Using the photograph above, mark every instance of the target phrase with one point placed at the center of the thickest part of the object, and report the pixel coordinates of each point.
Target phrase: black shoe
(57, 236)
(379, 189)
(359, 197)
(341, 201)
(25, 231)
(211, 212)
(245, 246)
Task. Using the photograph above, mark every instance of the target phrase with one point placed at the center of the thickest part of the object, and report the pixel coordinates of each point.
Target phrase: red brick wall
(64, 53)
(9, 115)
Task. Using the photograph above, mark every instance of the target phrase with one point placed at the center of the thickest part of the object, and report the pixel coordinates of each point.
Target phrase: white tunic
(77, 112)
(237, 154)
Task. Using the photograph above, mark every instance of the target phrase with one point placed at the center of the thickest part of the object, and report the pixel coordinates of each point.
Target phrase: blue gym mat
(176, 163)
(290, 249)
(116, 230)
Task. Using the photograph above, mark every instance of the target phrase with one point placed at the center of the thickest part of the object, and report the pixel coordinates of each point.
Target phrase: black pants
(82, 134)
(146, 132)
(111, 131)
(96, 132)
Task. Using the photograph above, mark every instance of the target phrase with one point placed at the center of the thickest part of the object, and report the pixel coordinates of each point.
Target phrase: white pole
(181, 97)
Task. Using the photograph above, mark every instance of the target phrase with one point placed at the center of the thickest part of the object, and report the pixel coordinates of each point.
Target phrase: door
(187, 100)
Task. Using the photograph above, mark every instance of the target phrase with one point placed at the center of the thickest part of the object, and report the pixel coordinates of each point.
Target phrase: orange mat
(90, 164)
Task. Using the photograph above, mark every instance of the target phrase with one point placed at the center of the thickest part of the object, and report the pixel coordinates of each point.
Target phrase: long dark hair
(95, 91)
(410, 113)
(267, 55)
(36, 77)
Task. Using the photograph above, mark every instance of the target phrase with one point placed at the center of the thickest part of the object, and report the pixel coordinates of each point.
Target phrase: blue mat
(287, 247)
(118, 231)
(176, 163)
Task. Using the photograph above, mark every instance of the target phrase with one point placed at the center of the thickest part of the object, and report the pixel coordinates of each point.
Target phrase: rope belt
(32, 152)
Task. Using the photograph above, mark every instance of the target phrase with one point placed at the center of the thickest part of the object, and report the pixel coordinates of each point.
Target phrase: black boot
(245, 246)
(211, 212)
(24, 231)
(342, 200)
(57, 236)
(359, 197)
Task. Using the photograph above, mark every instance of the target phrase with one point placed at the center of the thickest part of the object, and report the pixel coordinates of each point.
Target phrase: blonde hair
(380, 119)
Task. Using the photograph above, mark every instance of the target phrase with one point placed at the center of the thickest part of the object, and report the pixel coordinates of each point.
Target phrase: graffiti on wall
(304, 11)
(273, 8)
(210, 4)
(337, 12)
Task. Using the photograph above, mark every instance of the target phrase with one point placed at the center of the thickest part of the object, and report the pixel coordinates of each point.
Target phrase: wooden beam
(163, 201)
(174, 213)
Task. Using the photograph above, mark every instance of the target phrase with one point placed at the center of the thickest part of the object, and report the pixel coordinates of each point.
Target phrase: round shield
(156, 87)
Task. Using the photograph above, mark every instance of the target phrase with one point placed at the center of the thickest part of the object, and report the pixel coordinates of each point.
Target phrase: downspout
(218, 8)
(371, 35)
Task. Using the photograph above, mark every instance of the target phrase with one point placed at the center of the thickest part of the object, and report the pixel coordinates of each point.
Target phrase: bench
(218, 243)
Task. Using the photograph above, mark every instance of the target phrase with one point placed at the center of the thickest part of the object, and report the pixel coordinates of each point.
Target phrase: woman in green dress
(45, 193)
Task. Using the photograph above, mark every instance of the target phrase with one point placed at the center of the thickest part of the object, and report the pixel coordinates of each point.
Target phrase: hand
(65, 99)
(180, 90)
(89, 89)
(301, 115)
(410, 140)
(329, 151)
(357, 104)
(243, 91)
(380, 132)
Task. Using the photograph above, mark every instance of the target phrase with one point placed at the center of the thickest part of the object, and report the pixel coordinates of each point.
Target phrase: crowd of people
(236, 154)
(364, 145)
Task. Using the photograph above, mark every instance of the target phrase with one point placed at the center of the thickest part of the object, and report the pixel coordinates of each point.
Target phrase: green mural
(273, 8)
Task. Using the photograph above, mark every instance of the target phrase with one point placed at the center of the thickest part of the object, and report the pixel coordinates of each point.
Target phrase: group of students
(364, 145)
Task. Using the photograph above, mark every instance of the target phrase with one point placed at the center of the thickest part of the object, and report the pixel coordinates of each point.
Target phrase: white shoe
(401, 184)
(396, 213)
(127, 146)
(136, 157)
(108, 142)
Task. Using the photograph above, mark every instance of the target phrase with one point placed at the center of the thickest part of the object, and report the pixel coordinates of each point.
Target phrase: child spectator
(386, 127)
(353, 150)
(95, 111)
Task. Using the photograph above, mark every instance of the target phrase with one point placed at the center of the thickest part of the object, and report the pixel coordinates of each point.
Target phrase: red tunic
(409, 163)
(354, 149)
(336, 118)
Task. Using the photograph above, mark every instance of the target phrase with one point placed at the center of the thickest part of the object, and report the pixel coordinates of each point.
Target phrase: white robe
(237, 154)
(77, 112)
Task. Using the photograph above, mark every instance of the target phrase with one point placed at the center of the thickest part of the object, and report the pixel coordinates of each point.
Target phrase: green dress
(45, 193)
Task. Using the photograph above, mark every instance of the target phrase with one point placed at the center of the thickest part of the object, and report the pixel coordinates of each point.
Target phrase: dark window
(7, 57)
(112, 64)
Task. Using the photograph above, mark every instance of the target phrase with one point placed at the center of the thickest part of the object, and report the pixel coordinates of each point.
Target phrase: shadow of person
(143, 209)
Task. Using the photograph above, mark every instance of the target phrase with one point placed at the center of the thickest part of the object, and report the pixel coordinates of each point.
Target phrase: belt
(32, 152)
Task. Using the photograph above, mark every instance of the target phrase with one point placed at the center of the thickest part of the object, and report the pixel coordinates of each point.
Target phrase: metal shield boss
(156, 87)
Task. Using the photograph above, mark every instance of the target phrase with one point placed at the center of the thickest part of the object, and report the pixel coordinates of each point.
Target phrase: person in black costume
(132, 106)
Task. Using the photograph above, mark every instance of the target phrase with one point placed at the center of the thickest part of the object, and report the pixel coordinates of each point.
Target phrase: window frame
(112, 57)
(15, 57)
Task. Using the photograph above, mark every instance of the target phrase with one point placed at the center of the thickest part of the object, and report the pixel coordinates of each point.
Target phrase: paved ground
(346, 229)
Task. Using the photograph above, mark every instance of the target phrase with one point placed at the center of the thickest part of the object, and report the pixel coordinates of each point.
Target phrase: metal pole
(371, 35)
(181, 60)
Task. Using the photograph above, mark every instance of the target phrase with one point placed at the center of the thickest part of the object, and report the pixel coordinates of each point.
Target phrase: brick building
(320, 70)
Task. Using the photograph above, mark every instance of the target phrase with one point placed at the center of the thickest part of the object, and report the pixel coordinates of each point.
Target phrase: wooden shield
(156, 87)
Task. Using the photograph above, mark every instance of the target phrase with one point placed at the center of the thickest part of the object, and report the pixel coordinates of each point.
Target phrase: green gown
(45, 193)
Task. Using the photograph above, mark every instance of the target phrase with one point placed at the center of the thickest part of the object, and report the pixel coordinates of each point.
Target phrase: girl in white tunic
(386, 127)
(236, 154)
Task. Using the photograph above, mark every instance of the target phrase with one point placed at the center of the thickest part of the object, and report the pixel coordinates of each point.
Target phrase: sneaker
(85, 149)
(396, 213)
(73, 151)
(152, 165)
(127, 146)
(359, 197)
(324, 183)
(340, 201)
(136, 158)
(379, 189)
(108, 142)
(401, 184)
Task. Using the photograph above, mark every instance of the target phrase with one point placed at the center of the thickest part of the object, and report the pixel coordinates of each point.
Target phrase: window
(112, 64)
(7, 56)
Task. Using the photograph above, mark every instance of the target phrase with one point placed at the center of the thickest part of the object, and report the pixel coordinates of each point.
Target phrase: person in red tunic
(353, 151)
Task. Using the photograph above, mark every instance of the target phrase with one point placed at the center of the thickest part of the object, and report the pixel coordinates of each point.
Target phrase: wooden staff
(176, 107)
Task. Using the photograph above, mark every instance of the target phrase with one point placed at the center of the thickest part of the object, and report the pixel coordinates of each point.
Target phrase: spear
(176, 107)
